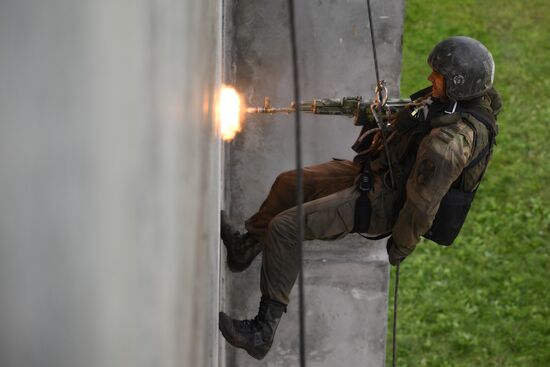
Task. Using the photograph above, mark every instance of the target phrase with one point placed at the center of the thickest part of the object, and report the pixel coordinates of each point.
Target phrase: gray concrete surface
(109, 183)
(346, 281)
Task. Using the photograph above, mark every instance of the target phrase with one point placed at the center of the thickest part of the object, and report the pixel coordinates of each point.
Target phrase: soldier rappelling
(415, 174)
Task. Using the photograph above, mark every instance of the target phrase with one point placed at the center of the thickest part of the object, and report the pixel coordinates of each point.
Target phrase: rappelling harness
(455, 204)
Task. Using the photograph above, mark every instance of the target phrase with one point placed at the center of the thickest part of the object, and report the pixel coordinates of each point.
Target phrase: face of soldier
(438, 85)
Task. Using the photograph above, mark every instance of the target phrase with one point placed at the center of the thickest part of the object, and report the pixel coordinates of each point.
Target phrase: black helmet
(466, 64)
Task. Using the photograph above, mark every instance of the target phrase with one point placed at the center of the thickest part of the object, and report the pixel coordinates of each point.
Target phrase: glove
(404, 121)
(395, 256)
(363, 116)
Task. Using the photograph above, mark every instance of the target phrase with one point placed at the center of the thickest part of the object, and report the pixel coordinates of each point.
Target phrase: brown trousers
(329, 206)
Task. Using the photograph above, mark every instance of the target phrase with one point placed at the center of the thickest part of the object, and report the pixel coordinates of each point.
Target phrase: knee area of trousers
(285, 178)
(281, 226)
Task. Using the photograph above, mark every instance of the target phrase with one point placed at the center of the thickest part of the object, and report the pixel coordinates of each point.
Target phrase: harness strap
(488, 120)
(363, 208)
(365, 181)
(394, 331)
(480, 156)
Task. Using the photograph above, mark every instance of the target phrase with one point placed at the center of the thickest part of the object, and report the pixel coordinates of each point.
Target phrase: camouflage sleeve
(441, 157)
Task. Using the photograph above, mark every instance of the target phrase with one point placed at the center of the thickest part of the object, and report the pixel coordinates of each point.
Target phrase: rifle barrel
(346, 106)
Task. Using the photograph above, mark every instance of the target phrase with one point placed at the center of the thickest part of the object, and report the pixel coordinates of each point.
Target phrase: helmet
(466, 64)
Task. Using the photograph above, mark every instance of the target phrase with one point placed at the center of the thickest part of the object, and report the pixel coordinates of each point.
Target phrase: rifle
(346, 106)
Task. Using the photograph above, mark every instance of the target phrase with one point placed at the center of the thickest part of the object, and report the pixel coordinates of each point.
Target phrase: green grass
(485, 300)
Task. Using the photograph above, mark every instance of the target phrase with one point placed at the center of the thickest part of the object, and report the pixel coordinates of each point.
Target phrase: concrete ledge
(346, 307)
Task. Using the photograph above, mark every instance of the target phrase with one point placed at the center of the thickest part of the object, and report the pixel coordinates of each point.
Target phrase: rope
(375, 57)
(299, 182)
(380, 87)
(394, 341)
(299, 176)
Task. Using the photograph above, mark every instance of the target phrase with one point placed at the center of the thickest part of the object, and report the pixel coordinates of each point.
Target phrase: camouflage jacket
(428, 156)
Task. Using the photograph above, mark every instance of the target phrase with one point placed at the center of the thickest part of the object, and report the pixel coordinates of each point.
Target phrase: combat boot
(256, 335)
(241, 248)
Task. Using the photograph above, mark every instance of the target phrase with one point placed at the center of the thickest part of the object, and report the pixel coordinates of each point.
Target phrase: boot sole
(236, 267)
(233, 266)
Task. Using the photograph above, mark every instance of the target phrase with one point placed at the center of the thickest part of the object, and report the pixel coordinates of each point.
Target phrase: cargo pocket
(331, 223)
(347, 215)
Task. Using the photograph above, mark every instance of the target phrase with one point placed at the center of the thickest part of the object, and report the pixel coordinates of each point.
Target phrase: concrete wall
(109, 183)
(346, 281)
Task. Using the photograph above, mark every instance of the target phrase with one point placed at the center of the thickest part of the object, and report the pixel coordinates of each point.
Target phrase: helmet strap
(453, 109)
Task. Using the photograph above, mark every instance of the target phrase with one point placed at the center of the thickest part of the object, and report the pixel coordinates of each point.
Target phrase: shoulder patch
(425, 171)
(448, 133)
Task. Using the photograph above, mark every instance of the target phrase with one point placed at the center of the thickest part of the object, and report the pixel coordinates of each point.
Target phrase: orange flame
(230, 111)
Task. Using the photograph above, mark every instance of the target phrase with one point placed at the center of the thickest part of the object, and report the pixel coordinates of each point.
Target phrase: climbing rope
(299, 182)
(394, 340)
(381, 96)
(373, 43)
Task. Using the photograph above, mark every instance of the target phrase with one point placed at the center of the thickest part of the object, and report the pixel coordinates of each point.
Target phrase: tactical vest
(456, 203)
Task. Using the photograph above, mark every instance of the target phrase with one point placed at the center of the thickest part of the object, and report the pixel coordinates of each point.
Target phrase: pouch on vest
(450, 217)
